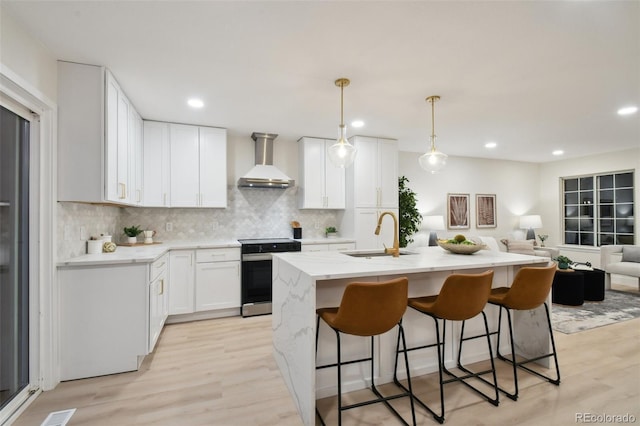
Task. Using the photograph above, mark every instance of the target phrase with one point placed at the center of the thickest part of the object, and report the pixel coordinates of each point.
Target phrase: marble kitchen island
(303, 282)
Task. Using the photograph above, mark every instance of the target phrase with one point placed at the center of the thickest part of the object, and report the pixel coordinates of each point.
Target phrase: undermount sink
(367, 254)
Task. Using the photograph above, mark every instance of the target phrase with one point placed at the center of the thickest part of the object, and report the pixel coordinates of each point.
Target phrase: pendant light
(434, 160)
(342, 153)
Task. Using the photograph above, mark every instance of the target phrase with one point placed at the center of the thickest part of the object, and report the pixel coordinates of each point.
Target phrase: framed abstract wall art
(458, 211)
(486, 211)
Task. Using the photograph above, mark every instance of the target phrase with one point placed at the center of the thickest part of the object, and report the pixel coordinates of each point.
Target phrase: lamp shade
(530, 222)
(433, 223)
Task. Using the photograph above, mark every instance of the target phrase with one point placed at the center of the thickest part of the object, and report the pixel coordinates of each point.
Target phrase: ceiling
(532, 76)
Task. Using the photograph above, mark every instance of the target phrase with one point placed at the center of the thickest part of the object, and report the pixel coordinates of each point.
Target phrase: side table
(593, 284)
(568, 287)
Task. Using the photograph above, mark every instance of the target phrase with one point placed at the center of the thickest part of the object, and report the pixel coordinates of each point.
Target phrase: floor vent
(58, 418)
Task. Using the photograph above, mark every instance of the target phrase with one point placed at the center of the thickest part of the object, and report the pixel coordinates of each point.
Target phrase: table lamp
(433, 224)
(530, 223)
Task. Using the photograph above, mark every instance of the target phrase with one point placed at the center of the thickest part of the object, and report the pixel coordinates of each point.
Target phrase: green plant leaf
(410, 218)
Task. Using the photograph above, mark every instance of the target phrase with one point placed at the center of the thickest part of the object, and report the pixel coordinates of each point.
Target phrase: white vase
(132, 240)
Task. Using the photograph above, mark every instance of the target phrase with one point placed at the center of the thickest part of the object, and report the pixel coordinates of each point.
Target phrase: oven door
(256, 284)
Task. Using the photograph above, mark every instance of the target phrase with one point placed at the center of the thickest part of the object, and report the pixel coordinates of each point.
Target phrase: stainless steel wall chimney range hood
(264, 174)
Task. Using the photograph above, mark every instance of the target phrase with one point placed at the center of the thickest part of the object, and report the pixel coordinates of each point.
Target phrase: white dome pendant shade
(434, 160)
(342, 153)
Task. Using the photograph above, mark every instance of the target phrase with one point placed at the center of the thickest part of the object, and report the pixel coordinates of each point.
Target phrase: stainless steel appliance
(256, 279)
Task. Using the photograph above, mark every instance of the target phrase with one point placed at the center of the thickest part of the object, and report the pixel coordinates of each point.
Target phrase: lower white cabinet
(204, 280)
(328, 247)
(158, 300)
(181, 279)
(104, 319)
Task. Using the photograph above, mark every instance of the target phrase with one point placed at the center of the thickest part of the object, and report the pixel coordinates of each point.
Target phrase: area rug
(617, 306)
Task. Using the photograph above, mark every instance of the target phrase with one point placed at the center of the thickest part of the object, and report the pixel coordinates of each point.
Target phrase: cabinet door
(181, 282)
(366, 172)
(213, 167)
(365, 226)
(135, 163)
(124, 187)
(113, 190)
(217, 285)
(388, 173)
(156, 152)
(185, 174)
(334, 182)
(157, 308)
(312, 173)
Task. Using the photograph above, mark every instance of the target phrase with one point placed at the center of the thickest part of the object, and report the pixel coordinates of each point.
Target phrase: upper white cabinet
(95, 124)
(156, 160)
(375, 173)
(136, 166)
(198, 166)
(322, 185)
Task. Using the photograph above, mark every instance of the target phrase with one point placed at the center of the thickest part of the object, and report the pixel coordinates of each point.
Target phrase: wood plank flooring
(221, 372)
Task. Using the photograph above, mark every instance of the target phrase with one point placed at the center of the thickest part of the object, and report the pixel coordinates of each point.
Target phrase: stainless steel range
(256, 272)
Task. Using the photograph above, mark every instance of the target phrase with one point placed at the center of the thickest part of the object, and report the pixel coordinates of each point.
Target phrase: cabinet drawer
(158, 267)
(217, 255)
(315, 247)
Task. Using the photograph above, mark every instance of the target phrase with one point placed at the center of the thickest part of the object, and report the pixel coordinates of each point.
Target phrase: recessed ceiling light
(558, 152)
(357, 123)
(195, 103)
(490, 145)
(628, 110)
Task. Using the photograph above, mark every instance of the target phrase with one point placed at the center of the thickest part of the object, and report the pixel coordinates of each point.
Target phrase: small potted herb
(563, 262)
(330, 231)
(132, 234)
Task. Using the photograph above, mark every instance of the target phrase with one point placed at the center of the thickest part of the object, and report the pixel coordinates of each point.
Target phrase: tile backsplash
(250, 213)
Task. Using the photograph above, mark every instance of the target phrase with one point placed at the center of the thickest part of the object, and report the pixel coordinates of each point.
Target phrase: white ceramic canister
(94, 246)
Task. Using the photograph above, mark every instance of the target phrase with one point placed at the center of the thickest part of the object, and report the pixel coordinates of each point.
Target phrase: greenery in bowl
(563, 259)
(132, 231)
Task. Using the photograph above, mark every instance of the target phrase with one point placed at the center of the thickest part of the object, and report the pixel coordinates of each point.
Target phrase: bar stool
(529, 290)
(462, 297)
(368, 309)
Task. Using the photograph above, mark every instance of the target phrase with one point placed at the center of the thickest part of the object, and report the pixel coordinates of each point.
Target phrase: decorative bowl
(461, 248)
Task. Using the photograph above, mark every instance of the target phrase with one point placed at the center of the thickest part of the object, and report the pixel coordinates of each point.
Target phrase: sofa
(620, 260)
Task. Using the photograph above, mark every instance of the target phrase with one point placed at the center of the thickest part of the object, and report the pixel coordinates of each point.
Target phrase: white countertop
(144, 253)
(335, 265)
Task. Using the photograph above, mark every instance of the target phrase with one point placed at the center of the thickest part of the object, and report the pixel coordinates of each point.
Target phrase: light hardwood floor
(221, 372)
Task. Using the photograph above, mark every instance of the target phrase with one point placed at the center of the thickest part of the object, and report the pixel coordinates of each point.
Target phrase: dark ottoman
(593, 285)
(568, 287)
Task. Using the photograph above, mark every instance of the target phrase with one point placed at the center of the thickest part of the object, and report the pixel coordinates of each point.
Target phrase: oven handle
(255, 257)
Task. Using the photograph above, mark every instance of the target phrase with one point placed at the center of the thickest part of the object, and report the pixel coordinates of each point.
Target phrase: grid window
(598, 209)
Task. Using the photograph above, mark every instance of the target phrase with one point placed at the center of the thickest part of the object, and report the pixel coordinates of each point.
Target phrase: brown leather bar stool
(368, 309)
(529, 290)
(462, 297)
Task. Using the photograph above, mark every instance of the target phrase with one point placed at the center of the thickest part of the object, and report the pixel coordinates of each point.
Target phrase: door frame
(43, 353)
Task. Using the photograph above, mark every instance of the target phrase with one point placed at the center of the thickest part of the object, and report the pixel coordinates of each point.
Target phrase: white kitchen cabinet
(158, 298)
(104, 319)
(314, 247)
(328, 247)
(217, 279)
(94, 154)
(181, 281)
(137, 164)
(198, 166)
(374, 173)
(156, 164)
(366, 221)
(204, 280)
(322, 185)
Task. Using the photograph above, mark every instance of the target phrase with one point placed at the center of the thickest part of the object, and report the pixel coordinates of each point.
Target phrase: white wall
(515, 184)
(27, 57)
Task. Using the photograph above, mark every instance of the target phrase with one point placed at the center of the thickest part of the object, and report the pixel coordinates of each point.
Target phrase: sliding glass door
(14, 256)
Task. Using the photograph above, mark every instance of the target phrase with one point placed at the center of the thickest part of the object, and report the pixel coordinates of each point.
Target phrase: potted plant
(330, 232)
(410, 217)
(132, 233)
(563, 262)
